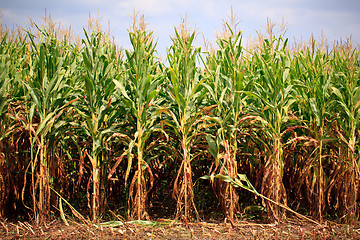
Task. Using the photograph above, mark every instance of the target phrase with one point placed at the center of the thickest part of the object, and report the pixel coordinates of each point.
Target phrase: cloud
(164, 8)
(303, 16)
(209, 7)
(334, 24)
(149, 7)
(16, 18)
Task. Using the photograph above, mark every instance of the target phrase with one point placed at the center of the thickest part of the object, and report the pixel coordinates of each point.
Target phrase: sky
(334, 19)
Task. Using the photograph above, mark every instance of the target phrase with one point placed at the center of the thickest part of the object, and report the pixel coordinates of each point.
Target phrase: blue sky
(333, 18)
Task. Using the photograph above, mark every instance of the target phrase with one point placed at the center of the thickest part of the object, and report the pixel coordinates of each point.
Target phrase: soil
(168, 229)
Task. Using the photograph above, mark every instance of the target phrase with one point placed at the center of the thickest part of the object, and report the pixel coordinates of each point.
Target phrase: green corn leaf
(62, 215)
(213, 148)
(45, 124)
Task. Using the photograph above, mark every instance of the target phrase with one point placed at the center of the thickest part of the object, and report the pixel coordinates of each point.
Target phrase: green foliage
(85, 120)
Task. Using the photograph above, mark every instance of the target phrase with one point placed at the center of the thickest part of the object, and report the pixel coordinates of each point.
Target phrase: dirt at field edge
(168, 229)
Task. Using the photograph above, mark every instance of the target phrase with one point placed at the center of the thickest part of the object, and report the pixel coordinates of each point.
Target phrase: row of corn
(111, 129)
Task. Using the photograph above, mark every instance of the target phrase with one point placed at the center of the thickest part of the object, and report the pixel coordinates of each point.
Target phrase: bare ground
(169, 229)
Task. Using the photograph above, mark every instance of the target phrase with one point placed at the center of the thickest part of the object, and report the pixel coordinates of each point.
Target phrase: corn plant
(273, 96)
(185, 94)
(139, 95)
(4, 83)
(315, 103)
(96, 109)
(4, 99)
(226, 81)
(46, 91)
(346, 91)
(14, 58)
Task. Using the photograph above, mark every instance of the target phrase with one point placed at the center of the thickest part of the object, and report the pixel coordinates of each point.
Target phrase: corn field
(86, 125)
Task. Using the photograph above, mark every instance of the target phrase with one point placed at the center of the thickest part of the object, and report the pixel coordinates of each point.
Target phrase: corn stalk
(96, 109)
(4, 122)
(47, 91)
(139, 94)
(272, 97)
(184, 94)
(314, 99)
(225, 83)
(346, 90)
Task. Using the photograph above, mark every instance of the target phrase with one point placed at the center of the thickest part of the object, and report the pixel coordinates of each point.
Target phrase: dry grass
(291, 229)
